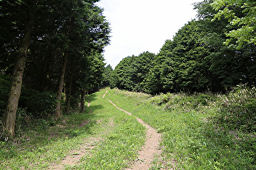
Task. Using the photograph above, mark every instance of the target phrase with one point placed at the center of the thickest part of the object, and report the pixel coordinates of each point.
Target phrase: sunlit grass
(43, 145)
(191, 137)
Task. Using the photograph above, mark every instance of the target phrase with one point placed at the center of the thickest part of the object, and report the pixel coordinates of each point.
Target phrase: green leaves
(243, 25)
(76, 29)
(131, 71)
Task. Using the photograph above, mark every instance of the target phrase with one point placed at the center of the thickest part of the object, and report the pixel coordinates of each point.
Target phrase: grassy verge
(41, 145)
(191, 137)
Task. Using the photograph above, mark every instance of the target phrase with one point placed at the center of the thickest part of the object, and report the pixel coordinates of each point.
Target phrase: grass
(191, 137)
(41, 145)
(120, 146)
(195, 132)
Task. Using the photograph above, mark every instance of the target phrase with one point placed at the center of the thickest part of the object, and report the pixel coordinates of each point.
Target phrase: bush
(4, 91)
(238, 109)
(172, 101)
(39, 104)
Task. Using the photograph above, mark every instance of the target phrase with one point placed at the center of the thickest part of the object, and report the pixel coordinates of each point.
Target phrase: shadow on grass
(91, 97)
(40, 133)
(92, 108)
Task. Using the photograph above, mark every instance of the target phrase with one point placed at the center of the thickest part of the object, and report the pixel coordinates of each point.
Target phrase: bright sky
(143, 25)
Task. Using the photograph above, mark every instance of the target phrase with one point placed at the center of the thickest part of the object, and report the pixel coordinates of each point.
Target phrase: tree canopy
(196, 59)
(50, 48)
(241, 15)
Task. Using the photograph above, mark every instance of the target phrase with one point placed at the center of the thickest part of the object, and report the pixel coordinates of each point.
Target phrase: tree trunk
(60, 88)
(14, 95)
(68, 95)
(82, 102)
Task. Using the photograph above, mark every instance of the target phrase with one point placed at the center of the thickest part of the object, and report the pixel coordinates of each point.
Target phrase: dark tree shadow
(39, 133)
(90, 97)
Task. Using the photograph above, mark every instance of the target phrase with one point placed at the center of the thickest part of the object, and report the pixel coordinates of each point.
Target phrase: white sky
(143, 25)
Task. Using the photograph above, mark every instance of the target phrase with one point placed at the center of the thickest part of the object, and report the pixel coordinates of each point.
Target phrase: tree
(181, 64)
(51, 38)
(228, 65)
(131, 72)
(241, 15)
(195, 60)
(91, 77)
(86, 32)
(107, 76)
(22, 15)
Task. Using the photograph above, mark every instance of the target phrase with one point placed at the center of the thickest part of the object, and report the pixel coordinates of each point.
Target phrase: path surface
(144, 160)
(151, 147)
(105, 94)
(75, 155)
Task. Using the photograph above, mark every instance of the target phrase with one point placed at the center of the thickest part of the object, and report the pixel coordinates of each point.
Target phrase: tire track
(151, 147)
(105, 94)
(73, 158)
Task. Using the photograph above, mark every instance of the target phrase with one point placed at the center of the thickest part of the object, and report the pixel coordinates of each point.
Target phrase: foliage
(4, 90)
(238, 109)
(40, 104)
(181, 64)
(243, 25)
(41, 143)
(107, 76)
(182, 101)
(195, 60)
(191, 138)
(75, 30)
(130, 73)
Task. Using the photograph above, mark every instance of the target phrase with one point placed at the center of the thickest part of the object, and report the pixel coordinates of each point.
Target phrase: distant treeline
(213, 52)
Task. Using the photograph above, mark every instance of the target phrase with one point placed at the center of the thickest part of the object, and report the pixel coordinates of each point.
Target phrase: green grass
(193, 136)
(121, 145)
(43, 144)
(190, 138)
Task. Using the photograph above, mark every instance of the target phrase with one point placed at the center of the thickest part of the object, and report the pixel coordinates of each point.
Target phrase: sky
(143, 25)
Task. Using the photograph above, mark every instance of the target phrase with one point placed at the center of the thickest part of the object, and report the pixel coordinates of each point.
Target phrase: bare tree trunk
(82, 102)
(61, 85)
(14, 95)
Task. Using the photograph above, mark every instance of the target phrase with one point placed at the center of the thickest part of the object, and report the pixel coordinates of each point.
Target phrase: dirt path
(151, 147)
(105, 94)
(75, 155)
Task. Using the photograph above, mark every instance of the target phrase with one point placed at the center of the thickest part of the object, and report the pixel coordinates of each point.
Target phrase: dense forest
(47, 48)
(214, 52)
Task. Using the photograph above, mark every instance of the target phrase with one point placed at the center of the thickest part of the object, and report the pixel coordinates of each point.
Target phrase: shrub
(238, 109)
(172, 101)
(4, 91)
(39, 104)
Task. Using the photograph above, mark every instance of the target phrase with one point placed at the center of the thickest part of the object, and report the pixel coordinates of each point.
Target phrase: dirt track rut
(151, 147)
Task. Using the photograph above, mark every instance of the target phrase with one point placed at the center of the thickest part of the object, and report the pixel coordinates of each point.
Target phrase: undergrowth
(200, 131)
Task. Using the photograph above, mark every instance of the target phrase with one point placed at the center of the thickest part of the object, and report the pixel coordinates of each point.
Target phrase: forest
(214, 52)
(54, 80)
(48, 48)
